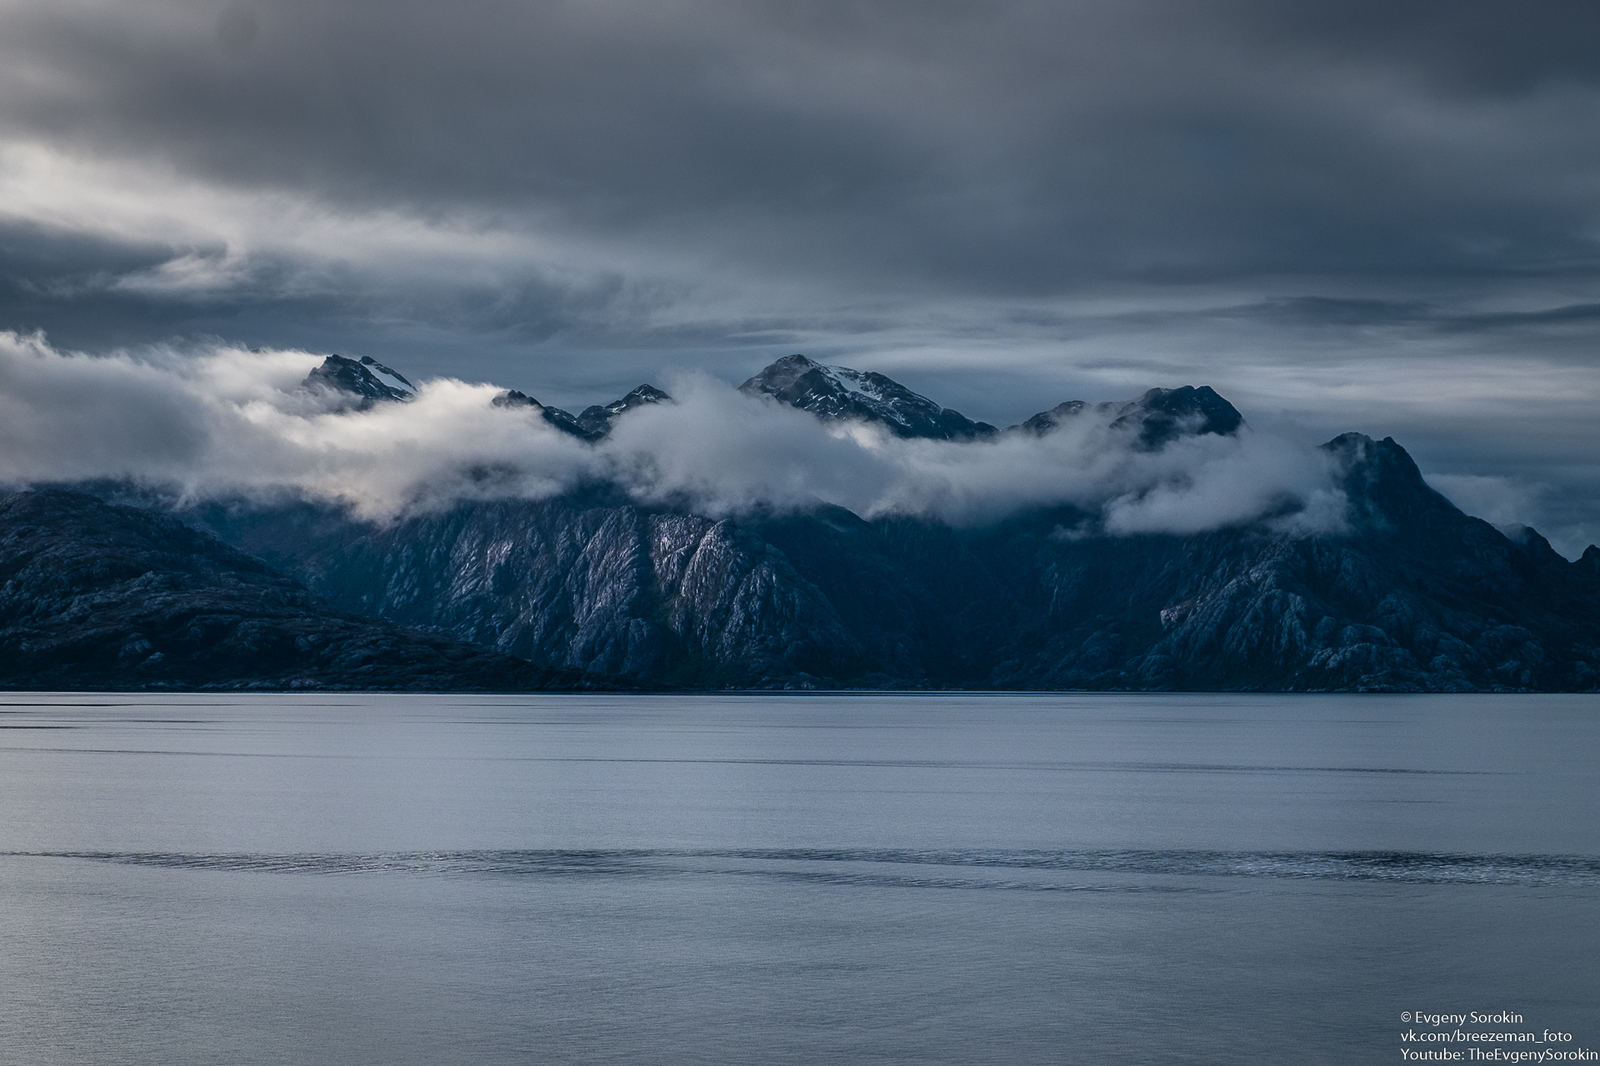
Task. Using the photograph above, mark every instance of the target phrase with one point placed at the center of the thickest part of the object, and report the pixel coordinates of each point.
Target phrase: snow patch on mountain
(842, 394)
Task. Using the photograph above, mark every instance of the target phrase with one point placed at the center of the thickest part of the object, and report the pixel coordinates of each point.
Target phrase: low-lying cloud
(1497, 500)
(225, 421)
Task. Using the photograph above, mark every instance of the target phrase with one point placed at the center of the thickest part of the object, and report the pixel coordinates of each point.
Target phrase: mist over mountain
(291, 425)
(818, 527)
(365, 381)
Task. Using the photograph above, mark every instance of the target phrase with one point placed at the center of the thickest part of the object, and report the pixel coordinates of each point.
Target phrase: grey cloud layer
(1365, 215)
(1006, 147)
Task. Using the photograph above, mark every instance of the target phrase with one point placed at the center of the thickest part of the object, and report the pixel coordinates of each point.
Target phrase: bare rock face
(1415, 596)
(1163, 415)
(553, 416)
(592, 585)
(597, 419)
(837, 392)
(1156, 419)
(99, 596)
(364, 381)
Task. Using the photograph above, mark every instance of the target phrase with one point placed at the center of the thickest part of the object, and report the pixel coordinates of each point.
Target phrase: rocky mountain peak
(838, 392)
(1385, 488)
(1045, 421)
(1157, 418)
(364, 379)
(553, 416)
(1534, 546)
(1163, 415)
(515, 398)
(597, 419)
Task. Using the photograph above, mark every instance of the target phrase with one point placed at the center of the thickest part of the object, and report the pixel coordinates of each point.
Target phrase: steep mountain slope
(99, 596)
(366, 380)
(587, 582)
(597, 418)
(554, 416)
(1417, 597)
(595, 421)
(1414, 596)
(1411, 594)
(1164, 415)
(360, 383)
(1158, 417)
(837, 392)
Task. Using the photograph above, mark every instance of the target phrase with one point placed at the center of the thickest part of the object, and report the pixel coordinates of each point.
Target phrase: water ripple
(890, 867)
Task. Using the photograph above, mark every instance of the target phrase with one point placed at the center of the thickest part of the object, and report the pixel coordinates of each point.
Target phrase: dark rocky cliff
(595, 421)
(99, 596)
(1415, 597)
(586, 582)
(362, 382)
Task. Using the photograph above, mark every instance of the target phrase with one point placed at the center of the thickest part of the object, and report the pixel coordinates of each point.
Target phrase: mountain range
(592, 587)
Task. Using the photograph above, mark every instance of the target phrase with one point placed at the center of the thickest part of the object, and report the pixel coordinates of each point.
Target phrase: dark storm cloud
(1319, 311)
(1004, 147)
(1364, 215)
(1475, 47)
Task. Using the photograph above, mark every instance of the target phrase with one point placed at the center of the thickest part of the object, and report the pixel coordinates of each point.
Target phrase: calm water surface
(820, 879)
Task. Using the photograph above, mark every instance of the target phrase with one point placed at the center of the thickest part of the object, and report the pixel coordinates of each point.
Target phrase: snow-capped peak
(392, 378)
(366, 379)
(839, 392)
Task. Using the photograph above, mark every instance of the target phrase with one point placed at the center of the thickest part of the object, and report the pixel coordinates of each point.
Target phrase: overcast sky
(1366, 215)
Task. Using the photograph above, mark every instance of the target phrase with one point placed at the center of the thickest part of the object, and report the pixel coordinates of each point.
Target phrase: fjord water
(789, 879)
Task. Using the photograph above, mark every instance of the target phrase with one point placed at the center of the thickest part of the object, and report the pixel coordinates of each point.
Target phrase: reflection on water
(895, 879)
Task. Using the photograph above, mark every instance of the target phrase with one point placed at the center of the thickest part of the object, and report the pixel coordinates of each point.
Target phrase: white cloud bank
(225, 421)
